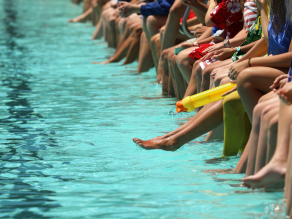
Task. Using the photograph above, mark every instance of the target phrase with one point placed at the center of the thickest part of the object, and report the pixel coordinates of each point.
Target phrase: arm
(239, 38)
(262, 5)
(206, 37)
(226, 53)
(200, 9)
(277, 61)
(259, 49)
(208, 21)
(193, 21)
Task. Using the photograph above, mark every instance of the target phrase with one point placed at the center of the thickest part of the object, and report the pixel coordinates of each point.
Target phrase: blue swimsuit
(279, 44)
(159, 7)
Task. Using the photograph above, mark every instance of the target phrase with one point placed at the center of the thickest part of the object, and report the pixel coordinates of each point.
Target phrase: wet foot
(156, 143)
(103, 62)
(220, 171)
(74, 20)
(272, 173)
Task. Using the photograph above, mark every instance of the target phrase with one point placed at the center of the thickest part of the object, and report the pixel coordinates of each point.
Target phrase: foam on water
(67, 127)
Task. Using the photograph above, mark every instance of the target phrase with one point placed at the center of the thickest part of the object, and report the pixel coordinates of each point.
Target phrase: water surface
(67, 126)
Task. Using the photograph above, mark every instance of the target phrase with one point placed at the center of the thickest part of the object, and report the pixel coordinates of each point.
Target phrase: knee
(170, 54)
(176, 11)
(207, 72)
(180, 59)
(151, 22)
(164, 55)
(137, 30)
(265, 110)
(174, 59)
(257, 111)
(243, 78)
(153, 40)
(157, 42)
(197, 69)
(224, 80)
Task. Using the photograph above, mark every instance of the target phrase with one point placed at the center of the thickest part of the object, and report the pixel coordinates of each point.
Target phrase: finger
(207, 50)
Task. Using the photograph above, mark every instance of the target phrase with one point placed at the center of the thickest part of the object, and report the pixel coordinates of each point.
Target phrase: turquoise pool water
(67, 126)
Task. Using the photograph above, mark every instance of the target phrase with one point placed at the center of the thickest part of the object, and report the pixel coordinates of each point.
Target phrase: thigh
(260, 78)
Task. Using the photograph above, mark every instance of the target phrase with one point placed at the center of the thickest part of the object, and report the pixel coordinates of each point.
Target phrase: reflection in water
(19, 158)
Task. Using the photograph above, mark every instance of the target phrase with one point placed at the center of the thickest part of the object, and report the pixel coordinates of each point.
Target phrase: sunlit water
(66, 128)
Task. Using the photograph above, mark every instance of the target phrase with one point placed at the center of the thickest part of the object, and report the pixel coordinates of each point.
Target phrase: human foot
(75, 20)
(272, 173)
(164, 144)
(103, 62)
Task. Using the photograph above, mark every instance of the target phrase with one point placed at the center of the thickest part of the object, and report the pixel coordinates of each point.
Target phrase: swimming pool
(67, 127)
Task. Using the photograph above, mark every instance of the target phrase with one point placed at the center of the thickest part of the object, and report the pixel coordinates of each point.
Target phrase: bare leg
(134, 47)
(192, 86)
(266, 138)
(254, 136)
(81, 18)
(253, 82)
(208, 70)
(153, 24)
(172, 24)
(185, 63)
(145, 58)
(275, 170)
(198, 125)
(288, 179)
(153, 45)
(179, 80)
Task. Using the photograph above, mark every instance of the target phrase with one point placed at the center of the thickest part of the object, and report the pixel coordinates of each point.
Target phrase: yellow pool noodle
(192, 102)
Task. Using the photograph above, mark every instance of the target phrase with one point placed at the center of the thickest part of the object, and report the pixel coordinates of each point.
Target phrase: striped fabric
(250, 14)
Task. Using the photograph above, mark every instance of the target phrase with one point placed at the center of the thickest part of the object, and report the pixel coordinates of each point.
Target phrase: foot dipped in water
(272, 173)
(104, 62)
(158, 143)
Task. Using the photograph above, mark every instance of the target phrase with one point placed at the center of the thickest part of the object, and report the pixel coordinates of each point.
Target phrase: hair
(279, 15)
(289, 9)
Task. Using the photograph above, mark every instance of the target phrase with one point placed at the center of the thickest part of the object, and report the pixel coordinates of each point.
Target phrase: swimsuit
(159, 7)
(228, 15)
(279, 44)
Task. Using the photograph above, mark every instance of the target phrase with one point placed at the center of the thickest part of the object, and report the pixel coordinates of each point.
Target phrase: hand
(207, 56)
(94, 3)
(236, 68)
(200, 30)
(279, 82)
(214, 47)
(285, 93)
(186, 45)
(261, 4)
(126, 9)
(229, 92)
(218, 39)
(223, 54)
(220, 71)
